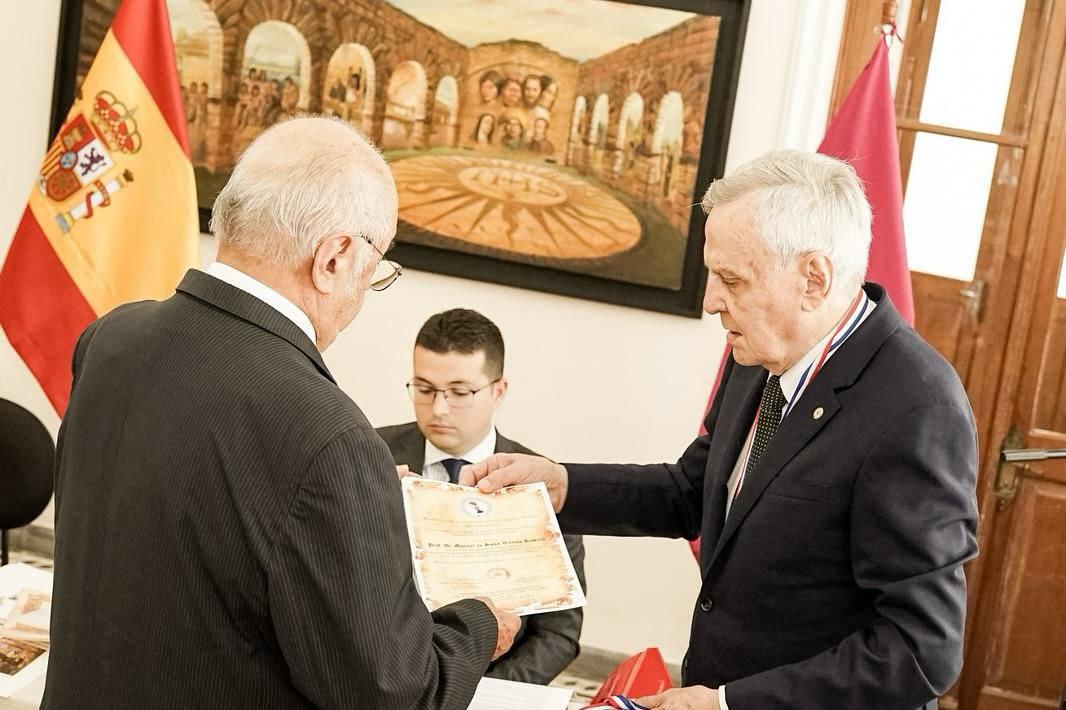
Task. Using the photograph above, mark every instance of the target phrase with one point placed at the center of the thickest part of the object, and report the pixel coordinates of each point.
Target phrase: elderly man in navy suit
(834, 490)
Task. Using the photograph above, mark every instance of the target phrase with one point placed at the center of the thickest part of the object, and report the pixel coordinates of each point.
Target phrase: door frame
(1013, 319)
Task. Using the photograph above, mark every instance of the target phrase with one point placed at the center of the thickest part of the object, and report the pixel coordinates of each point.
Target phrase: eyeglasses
(459, 397)
(387, 270)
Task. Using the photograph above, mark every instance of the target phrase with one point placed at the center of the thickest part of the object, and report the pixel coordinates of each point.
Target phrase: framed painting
(557, 145)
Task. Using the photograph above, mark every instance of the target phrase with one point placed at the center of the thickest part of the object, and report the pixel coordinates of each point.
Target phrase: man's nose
(712, 298)
(440, 403)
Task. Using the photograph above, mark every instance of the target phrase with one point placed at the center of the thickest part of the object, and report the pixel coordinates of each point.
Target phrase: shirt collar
(254, 287)
(485, 448)
(790, 378)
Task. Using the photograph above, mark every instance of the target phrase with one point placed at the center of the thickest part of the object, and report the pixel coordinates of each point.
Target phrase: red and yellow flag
(112, 217)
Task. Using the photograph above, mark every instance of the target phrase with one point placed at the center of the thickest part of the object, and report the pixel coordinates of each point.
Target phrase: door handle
(1032, 454)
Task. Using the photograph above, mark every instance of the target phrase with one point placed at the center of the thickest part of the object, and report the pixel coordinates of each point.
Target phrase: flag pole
(888, 18)
(888, 12)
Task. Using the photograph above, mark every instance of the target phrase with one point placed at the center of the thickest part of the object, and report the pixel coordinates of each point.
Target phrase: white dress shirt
(790, 381)
(434, 469)
(253, 287)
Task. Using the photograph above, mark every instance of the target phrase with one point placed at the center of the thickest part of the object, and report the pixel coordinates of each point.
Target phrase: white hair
(804, 202)
(300, 182)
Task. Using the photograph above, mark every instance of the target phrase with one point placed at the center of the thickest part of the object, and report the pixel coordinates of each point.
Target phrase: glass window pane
(1051, 397)
(1061, 293)
(971, 63)
(944, 209)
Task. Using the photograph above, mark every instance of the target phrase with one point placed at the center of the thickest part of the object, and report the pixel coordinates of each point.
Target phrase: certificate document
(505, 546)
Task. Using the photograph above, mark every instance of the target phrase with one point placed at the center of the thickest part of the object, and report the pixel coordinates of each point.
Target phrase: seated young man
(457, 385)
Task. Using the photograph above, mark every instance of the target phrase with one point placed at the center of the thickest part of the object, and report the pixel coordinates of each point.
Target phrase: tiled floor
(29, 558)
(583, 688)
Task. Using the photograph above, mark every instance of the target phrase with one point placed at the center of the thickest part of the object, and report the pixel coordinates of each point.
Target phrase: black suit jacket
(836, 581)
(229, 528)
(546, 643)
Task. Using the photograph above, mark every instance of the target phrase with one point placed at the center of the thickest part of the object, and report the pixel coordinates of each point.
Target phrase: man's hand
(402, 471)
(696, 697)
(506, 627)
(502, 470)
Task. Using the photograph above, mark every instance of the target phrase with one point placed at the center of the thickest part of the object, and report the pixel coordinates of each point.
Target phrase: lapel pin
(818, 412)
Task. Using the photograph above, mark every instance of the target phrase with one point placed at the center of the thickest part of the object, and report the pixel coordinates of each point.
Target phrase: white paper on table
(13, 579)
(496, 694)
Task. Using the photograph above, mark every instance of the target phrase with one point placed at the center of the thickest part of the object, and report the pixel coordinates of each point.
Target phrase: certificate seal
(475, 507)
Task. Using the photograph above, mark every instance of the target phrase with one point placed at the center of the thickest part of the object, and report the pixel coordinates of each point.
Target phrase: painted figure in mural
(353, 94)
(354, 91)
(196, 120)
(242, 106)
(271, 103)
(189, 101)
(532, 87)
(336, 92)
(290, 96)
(486, 126)
(540, 143)
(489, 86)
(511, 92)
(512, 133)
(252, 123)
(548, 94)
(253, 115)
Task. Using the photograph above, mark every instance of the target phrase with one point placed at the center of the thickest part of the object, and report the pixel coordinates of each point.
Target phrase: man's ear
(817, 271)
(499, 391)
(333, 259)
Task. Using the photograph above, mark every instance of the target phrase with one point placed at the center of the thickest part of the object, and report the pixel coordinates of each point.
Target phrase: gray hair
(804, 202)
(300, 182)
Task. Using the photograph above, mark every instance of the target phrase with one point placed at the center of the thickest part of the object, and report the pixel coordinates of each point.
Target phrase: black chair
(27, 458)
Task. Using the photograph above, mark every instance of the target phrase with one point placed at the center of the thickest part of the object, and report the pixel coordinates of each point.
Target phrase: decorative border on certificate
(505, 545)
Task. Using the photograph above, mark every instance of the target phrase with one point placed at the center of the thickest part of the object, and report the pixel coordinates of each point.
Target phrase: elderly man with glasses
(229, 527)
(457, 386)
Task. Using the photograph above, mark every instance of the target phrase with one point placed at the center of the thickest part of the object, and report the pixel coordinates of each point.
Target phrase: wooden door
(1017, 653)
(964, 310)
(977, 318)
(1017, 658)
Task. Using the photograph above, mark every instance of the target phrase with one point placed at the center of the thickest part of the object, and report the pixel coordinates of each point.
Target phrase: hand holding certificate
(505, 546)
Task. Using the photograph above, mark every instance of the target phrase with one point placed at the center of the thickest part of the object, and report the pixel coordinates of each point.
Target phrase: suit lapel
(411, 448)
(247, 307)
(504, 445)
(741, 398)
(795, 432)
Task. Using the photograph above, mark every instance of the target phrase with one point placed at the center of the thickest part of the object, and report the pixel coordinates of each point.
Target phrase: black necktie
(452, 466)
(770, 408)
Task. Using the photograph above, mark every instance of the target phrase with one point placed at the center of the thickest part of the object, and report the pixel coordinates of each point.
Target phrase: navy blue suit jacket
(836, 580)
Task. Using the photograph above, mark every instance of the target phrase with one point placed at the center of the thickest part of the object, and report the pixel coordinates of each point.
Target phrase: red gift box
(637, 676)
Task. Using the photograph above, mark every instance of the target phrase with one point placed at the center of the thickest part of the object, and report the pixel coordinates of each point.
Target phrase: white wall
(590, 382)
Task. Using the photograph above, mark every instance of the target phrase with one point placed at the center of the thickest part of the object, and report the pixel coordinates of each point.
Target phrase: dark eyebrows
(465, 384)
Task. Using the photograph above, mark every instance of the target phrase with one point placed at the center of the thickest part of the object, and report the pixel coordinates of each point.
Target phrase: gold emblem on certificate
(506, 546)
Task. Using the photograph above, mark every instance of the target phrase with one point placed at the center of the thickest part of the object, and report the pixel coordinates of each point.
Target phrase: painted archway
(405, 107)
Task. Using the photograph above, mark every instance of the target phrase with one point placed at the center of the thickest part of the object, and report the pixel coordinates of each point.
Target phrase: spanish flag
(112, 217)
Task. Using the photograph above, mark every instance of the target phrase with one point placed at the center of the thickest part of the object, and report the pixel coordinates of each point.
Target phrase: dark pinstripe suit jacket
(546, 643)
(229, 528)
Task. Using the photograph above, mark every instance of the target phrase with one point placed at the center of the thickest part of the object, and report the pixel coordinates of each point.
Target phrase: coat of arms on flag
(83, 154)
(91, 238)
